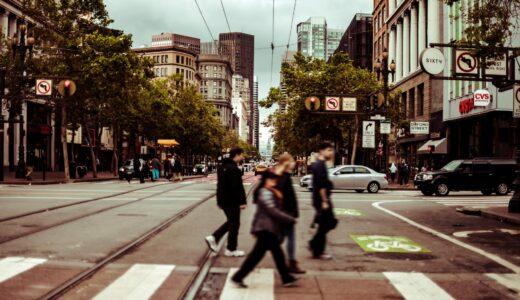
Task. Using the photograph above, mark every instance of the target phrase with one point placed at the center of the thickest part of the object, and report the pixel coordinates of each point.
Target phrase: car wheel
(502, 189)
(486, 192)
(360, 191)
(426, 192)
(373, 187)
(442, 189)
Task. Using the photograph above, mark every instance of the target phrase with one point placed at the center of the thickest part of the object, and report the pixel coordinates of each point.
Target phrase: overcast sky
(143, 18)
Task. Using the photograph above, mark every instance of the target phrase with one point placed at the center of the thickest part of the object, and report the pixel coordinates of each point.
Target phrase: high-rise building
(287, 57)
(242, 47)
(357, 41)
(215, 47)
(315, 39)
(216, 85)
(256, 114)
(241, 108)
(173, 39)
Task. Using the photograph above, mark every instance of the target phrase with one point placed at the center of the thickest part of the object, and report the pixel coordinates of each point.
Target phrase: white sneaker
(212, 244)
(236, 253)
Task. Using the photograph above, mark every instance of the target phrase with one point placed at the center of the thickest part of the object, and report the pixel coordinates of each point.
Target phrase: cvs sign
(481, 98)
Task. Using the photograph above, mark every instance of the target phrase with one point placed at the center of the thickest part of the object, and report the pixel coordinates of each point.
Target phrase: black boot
(294, 268)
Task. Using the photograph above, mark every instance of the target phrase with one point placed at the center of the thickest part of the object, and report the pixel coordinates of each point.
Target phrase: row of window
(379, 19)
(412, 102)
(163, 59)
(163, 72)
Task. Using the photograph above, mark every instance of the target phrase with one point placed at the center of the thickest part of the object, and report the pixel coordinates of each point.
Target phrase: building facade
(241, 106)
(242, 50)
(412, 25)
(256, 115)
(475, 131)
(357, 41)
(173, 39)
(169, 60)
(316, 40)
(216, 85)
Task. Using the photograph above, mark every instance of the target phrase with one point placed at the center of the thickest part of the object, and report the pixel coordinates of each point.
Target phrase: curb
(62, 181)
(515, 220)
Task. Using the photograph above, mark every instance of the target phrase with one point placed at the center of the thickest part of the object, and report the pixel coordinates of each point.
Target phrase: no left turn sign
(466, 62)
(332, 104)
(43, 87)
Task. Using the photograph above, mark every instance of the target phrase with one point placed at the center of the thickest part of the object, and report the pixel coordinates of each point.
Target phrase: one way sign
(369, 128)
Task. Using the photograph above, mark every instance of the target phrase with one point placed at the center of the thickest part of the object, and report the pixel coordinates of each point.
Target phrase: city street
(395, 244)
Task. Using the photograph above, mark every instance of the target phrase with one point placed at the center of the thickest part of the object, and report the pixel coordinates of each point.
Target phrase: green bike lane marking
(388, 244)
(348, 212)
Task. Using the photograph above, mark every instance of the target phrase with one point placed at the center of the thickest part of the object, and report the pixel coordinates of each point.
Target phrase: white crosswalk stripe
(416, 286)
(260, 282)
(139, 282)
(12, 266)
(473, 202)
(510, 281)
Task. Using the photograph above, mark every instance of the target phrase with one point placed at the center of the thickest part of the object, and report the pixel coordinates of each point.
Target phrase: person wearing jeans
(268, 227)
(231, 198)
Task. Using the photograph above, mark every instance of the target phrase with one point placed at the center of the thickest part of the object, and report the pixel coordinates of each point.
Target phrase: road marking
(511, 281)
(12, 266)
(389, 244)
(347, 212)
(416, 286)
(139, 282)
(466, 233)
(260, 282)
(499, 260)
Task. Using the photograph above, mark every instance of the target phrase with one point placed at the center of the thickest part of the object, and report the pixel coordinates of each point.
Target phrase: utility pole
(2, 126)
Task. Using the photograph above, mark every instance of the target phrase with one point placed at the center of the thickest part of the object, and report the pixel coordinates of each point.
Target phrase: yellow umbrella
(168, 143)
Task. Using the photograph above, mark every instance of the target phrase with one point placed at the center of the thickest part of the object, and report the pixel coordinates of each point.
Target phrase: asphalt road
(392, 245)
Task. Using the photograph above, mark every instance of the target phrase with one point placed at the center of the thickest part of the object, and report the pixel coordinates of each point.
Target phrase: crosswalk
(143, 281)
(481, 202)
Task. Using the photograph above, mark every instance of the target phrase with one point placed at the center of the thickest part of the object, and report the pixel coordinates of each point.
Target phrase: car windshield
(452, 166)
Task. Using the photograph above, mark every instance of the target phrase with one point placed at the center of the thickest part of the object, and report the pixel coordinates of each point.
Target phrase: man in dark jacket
(321, 201)
(231, 198)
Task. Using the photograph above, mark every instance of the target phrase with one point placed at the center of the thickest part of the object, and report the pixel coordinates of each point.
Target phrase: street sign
(481, 98)
(369, 128)
(43, 87)
(496, 67)
(349, 104)
(378, 118)
(385, 127)
(466, 63)
(312, 103)
(332, 104)
(516, 100)
(392, 244)
(419, 127)
(432, 61)
(369, 141)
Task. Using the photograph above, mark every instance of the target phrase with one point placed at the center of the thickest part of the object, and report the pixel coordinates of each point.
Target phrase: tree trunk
(92, 154)
(354, 144)
(64, 141)
(115, 159)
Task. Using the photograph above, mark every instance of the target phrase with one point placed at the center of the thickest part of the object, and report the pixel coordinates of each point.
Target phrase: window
(481, 168)
(347, 170)
(404, 103)
(412, 104)
(361, 170)
(166, 58)
(420, 99)
(178, 59)
(182, 59)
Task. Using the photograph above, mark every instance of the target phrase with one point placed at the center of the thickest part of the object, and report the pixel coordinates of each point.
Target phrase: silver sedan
(353, 177)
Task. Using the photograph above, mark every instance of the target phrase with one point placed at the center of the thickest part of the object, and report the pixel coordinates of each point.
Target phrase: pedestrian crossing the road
(147, 281)
(481, 202)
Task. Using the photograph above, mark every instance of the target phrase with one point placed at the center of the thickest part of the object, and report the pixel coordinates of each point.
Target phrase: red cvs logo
(466, 106)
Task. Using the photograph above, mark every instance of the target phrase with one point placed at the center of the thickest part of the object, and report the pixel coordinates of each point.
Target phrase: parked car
(480, 174)
(352, 177)
(260, 168)
(200, 169)
(128, 168)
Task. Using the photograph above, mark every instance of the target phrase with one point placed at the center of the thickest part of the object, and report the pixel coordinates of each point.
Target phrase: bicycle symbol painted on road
(347, 212)
(388, 244)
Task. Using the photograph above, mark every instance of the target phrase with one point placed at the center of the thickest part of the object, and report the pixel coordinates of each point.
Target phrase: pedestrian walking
(177, 168)
(406, 173)
(322, 202)
(231, 198)
(137, 169)
(156, 169)
(145, 171)
(393, 172)
(269, 225)
(284, 169)
(167, 165)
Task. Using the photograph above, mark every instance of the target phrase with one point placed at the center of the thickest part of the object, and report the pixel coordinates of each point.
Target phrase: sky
(143, 18)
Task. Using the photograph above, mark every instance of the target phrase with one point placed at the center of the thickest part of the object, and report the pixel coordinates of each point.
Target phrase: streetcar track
(25, 234)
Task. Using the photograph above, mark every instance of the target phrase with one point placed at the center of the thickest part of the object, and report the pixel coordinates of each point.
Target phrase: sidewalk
(501, 214)
(396, 186)
(55, 178)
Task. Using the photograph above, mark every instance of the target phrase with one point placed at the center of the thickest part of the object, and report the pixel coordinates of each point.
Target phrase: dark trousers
(231, 226)
(319, 241)
(265, 241)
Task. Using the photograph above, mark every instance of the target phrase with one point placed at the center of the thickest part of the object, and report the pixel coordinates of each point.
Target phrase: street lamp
(384, 69)
(21, 48)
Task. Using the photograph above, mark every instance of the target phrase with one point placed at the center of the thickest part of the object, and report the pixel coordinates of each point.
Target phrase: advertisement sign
(432, 61)
(349, 104)
(385, 128)
(466, 63)
(419, 127)
(332, 104)
(481, 98)
(369, 128)
(369, 141)
(496, 67)
(516, 100)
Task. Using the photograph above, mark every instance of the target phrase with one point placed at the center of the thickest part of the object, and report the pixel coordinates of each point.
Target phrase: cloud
(143, 18)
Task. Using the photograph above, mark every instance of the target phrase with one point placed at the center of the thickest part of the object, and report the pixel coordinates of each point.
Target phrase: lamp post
(21, 48)
(384, 69)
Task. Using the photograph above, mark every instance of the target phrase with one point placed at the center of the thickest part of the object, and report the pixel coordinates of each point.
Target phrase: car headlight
(122, 169)
(428, 177)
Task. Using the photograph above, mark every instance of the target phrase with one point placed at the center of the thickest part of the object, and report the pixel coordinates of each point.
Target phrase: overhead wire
(225, 15)
(272, 48)
(290, 29)
(205, 22)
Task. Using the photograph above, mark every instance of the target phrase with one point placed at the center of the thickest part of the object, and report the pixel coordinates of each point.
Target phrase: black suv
(485, 175)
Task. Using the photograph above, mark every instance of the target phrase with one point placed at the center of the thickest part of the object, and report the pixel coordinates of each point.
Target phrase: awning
(441, 147)
(168, 143)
